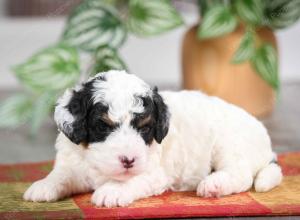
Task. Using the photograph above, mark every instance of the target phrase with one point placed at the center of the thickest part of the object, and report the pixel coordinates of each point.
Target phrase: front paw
(113, 195)
(44, 191)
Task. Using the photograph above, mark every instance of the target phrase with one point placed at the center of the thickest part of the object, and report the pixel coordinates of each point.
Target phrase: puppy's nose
(126, 162)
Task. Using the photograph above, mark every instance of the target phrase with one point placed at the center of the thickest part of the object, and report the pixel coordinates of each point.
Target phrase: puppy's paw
(113, 195)
(215, 185)
(44, 191)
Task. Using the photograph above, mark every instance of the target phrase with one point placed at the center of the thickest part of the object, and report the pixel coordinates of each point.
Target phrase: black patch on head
(78, 107)
(153, 123)
(162, 117)
(88, 126)
(144, 122)
(98, 128)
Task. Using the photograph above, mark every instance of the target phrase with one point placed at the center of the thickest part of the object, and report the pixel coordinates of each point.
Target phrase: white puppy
(126, 141)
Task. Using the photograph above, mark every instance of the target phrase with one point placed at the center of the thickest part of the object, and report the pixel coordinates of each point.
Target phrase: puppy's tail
(268, 177)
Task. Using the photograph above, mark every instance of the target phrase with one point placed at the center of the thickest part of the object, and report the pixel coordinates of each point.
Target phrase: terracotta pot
(206, 66)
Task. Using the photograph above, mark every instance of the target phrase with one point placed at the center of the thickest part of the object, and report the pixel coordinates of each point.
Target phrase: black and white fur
(126, 141)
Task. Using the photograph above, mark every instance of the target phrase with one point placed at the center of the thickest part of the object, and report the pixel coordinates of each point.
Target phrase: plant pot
(207, 66)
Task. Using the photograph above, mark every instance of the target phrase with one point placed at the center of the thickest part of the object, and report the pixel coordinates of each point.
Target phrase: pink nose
(126, 162)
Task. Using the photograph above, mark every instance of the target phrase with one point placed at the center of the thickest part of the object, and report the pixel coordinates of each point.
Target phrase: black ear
(70, 115)
(162, 117)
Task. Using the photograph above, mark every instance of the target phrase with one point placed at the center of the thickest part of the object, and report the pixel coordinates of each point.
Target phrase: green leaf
(53, 68)
(281, 13)
(15, 111)
(107, 58)
(266, 64)
(250, 11)
(41, 108)
(93, 24)
(216, 22)
(246, 48)
(152, 17)
(204, 5)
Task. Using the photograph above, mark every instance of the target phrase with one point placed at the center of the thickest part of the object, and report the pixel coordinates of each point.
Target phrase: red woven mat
(283, 200)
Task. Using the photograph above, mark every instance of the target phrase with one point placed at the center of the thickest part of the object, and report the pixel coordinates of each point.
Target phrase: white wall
(289, 52)
(156, 59)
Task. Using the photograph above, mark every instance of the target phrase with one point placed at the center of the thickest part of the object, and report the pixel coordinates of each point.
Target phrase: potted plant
(98, 28)
(94, 31)
(232, 52)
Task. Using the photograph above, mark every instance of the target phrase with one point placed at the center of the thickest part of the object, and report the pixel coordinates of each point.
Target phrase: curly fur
(171, 140)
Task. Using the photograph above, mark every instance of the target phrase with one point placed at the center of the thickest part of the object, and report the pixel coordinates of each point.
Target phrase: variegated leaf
(41, 108)
(266, 64)
(93, 24)
(107, 58)
(251, 11)
(217, 21)
(281, 13)
(152, 17)
(246, 48)
(15, 111)
(204, 5)
(53, 68)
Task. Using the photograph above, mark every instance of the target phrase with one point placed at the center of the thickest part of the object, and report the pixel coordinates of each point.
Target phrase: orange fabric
(283, 200)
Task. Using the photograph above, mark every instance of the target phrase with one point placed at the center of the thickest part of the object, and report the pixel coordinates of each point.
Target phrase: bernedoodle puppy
(126, 141)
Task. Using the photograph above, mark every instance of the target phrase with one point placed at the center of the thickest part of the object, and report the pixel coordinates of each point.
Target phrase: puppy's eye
(145, 129)
(106, 126)
(102, 126)
(104, 123)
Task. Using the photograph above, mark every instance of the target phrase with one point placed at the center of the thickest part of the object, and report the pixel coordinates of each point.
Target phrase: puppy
(126, 141)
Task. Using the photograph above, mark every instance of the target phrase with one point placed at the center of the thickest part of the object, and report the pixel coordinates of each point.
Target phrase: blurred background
(164, 60)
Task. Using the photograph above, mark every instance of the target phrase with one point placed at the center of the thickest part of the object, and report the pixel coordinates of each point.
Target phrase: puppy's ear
(70, 115)
(162, 117)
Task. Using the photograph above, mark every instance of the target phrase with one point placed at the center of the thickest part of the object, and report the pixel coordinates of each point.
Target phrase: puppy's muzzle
(126, 162)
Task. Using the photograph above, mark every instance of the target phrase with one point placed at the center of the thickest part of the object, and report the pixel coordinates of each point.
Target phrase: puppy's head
(118, 117)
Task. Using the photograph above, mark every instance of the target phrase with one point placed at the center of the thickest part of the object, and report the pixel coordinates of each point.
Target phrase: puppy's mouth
(125, 175)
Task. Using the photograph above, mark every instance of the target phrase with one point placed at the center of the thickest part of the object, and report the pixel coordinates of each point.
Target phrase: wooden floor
(283, 126)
